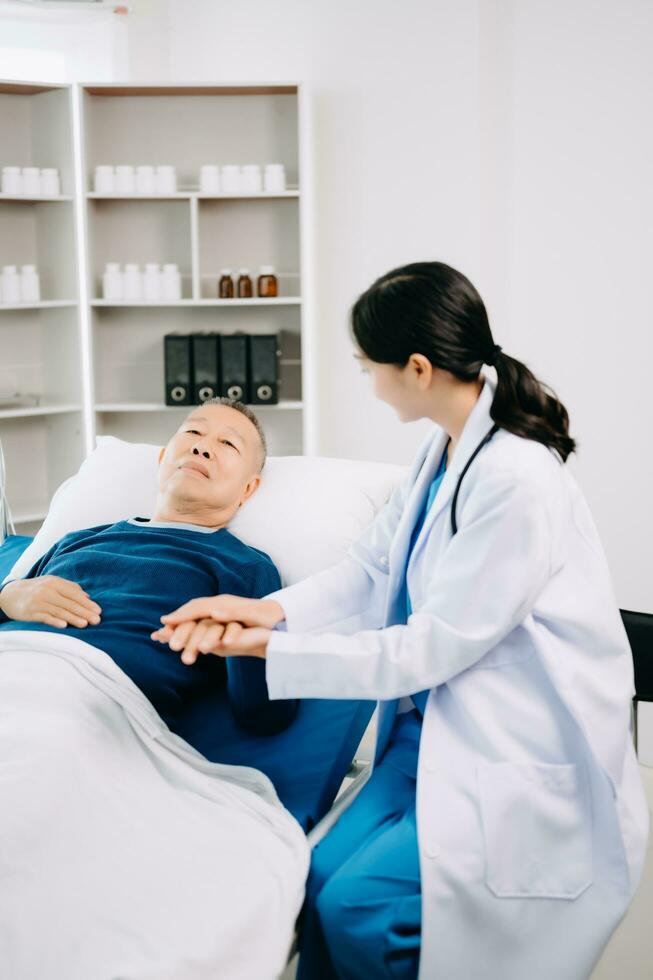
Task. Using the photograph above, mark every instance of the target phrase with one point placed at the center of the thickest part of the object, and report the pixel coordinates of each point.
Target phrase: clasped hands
(224, 625)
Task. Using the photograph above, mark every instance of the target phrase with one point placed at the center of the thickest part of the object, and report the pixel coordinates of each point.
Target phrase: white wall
(61, 45)
(581, 230)
(510, 138)
(396, 120)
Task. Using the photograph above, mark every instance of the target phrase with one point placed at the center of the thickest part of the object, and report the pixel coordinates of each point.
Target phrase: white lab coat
(532, 821)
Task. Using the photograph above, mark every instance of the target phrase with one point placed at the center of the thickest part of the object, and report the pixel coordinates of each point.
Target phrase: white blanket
(124, 853)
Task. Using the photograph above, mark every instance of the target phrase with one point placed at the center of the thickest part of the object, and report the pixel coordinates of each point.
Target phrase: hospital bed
(307, 763)
(305, 515)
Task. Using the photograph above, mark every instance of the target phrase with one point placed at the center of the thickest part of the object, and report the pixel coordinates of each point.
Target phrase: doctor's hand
(207, 636)
(49, 599)
(228, 609)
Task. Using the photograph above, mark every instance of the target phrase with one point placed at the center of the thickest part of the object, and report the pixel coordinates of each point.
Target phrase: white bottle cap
(251, 167)
(145, 168)
(243, 272)
(104, 166)
(131, 267)
(9, 268)
(165, 168)
(209, 168)
(152, 266)
(266, 270)
(28, 268)
(125, 168)
(30, 171)
(225, 272)
(112, 267)
(170, 267)
(274, 166)
(48, 171)
(11, 170)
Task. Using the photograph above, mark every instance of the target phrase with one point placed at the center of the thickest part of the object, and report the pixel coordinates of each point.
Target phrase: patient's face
(211, 463)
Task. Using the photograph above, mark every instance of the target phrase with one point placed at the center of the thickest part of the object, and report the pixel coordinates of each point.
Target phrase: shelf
(110, 89)
(42, 235)
(178, 196)
(107, 407)
(293, 192)
(45, 304)
(28, 88)
(36, 410)
(98, 365)
(30, 199)
(256, 301)
(190, 195)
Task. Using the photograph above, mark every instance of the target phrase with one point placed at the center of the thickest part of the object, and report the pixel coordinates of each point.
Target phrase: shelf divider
(255, 301)
(195, 248)
(117, 407)
(33, 411)
(44, 304)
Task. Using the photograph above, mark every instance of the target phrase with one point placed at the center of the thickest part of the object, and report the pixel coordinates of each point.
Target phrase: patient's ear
(251, 487)
(161, 452)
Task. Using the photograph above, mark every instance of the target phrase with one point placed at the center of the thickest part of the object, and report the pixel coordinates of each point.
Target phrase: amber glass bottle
(267, 282)
(245, 288)
(226, 285)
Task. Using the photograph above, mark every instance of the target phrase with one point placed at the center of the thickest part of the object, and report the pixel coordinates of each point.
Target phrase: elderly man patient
(116, 829)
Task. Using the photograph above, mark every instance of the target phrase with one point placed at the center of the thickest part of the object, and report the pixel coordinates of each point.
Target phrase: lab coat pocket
(537, 824)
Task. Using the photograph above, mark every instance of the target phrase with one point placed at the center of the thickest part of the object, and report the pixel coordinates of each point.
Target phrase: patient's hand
(49, 599)
(207, 636)
(228, 609)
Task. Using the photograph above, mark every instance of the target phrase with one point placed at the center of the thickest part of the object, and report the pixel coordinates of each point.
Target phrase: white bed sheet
(124, 853)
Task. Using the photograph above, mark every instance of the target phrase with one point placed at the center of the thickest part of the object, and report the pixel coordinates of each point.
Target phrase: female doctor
(502, 833)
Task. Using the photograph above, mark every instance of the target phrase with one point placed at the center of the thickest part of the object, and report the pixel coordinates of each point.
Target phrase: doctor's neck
(452, 404)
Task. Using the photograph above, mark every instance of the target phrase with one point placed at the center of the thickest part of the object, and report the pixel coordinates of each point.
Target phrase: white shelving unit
(96, 367)
(42, 434)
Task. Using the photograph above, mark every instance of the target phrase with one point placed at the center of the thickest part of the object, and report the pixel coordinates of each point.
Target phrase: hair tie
(493, 356)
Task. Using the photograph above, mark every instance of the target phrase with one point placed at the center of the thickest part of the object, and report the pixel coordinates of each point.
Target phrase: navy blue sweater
(139, 570)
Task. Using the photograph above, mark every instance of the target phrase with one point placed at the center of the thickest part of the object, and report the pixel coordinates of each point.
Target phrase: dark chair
(639, 627)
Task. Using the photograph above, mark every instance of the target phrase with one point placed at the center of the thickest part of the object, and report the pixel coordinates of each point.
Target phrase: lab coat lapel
(398, 553)
(425, 467)
(477, 426)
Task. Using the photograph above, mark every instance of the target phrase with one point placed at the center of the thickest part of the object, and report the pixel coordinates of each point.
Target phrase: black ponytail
(529, 408)
(431, 309)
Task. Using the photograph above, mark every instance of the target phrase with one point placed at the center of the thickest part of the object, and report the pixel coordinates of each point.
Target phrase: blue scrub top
(421, 698)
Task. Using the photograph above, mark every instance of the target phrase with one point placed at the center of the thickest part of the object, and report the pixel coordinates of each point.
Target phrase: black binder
(264, 369)
(206, 366)
(233, 357)
(178, 369)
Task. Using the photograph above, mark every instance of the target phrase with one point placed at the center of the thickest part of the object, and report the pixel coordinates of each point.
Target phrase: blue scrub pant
(362, 915)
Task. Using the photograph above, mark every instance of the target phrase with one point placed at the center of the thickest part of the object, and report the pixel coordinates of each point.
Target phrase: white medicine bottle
(112, 282)
(10, 285)
(132, 283)
(170, 283)
(152, 283)
(30, 285)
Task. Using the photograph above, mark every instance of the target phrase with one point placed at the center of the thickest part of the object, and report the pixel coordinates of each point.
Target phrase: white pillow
(305, 514)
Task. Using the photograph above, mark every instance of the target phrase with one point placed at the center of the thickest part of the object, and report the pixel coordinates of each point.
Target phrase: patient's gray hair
(249, 414)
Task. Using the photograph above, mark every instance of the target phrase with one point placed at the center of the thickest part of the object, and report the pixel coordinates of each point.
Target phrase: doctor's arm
(486, 582)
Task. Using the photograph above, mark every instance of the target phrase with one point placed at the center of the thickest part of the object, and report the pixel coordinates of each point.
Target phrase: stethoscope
(483, 442)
